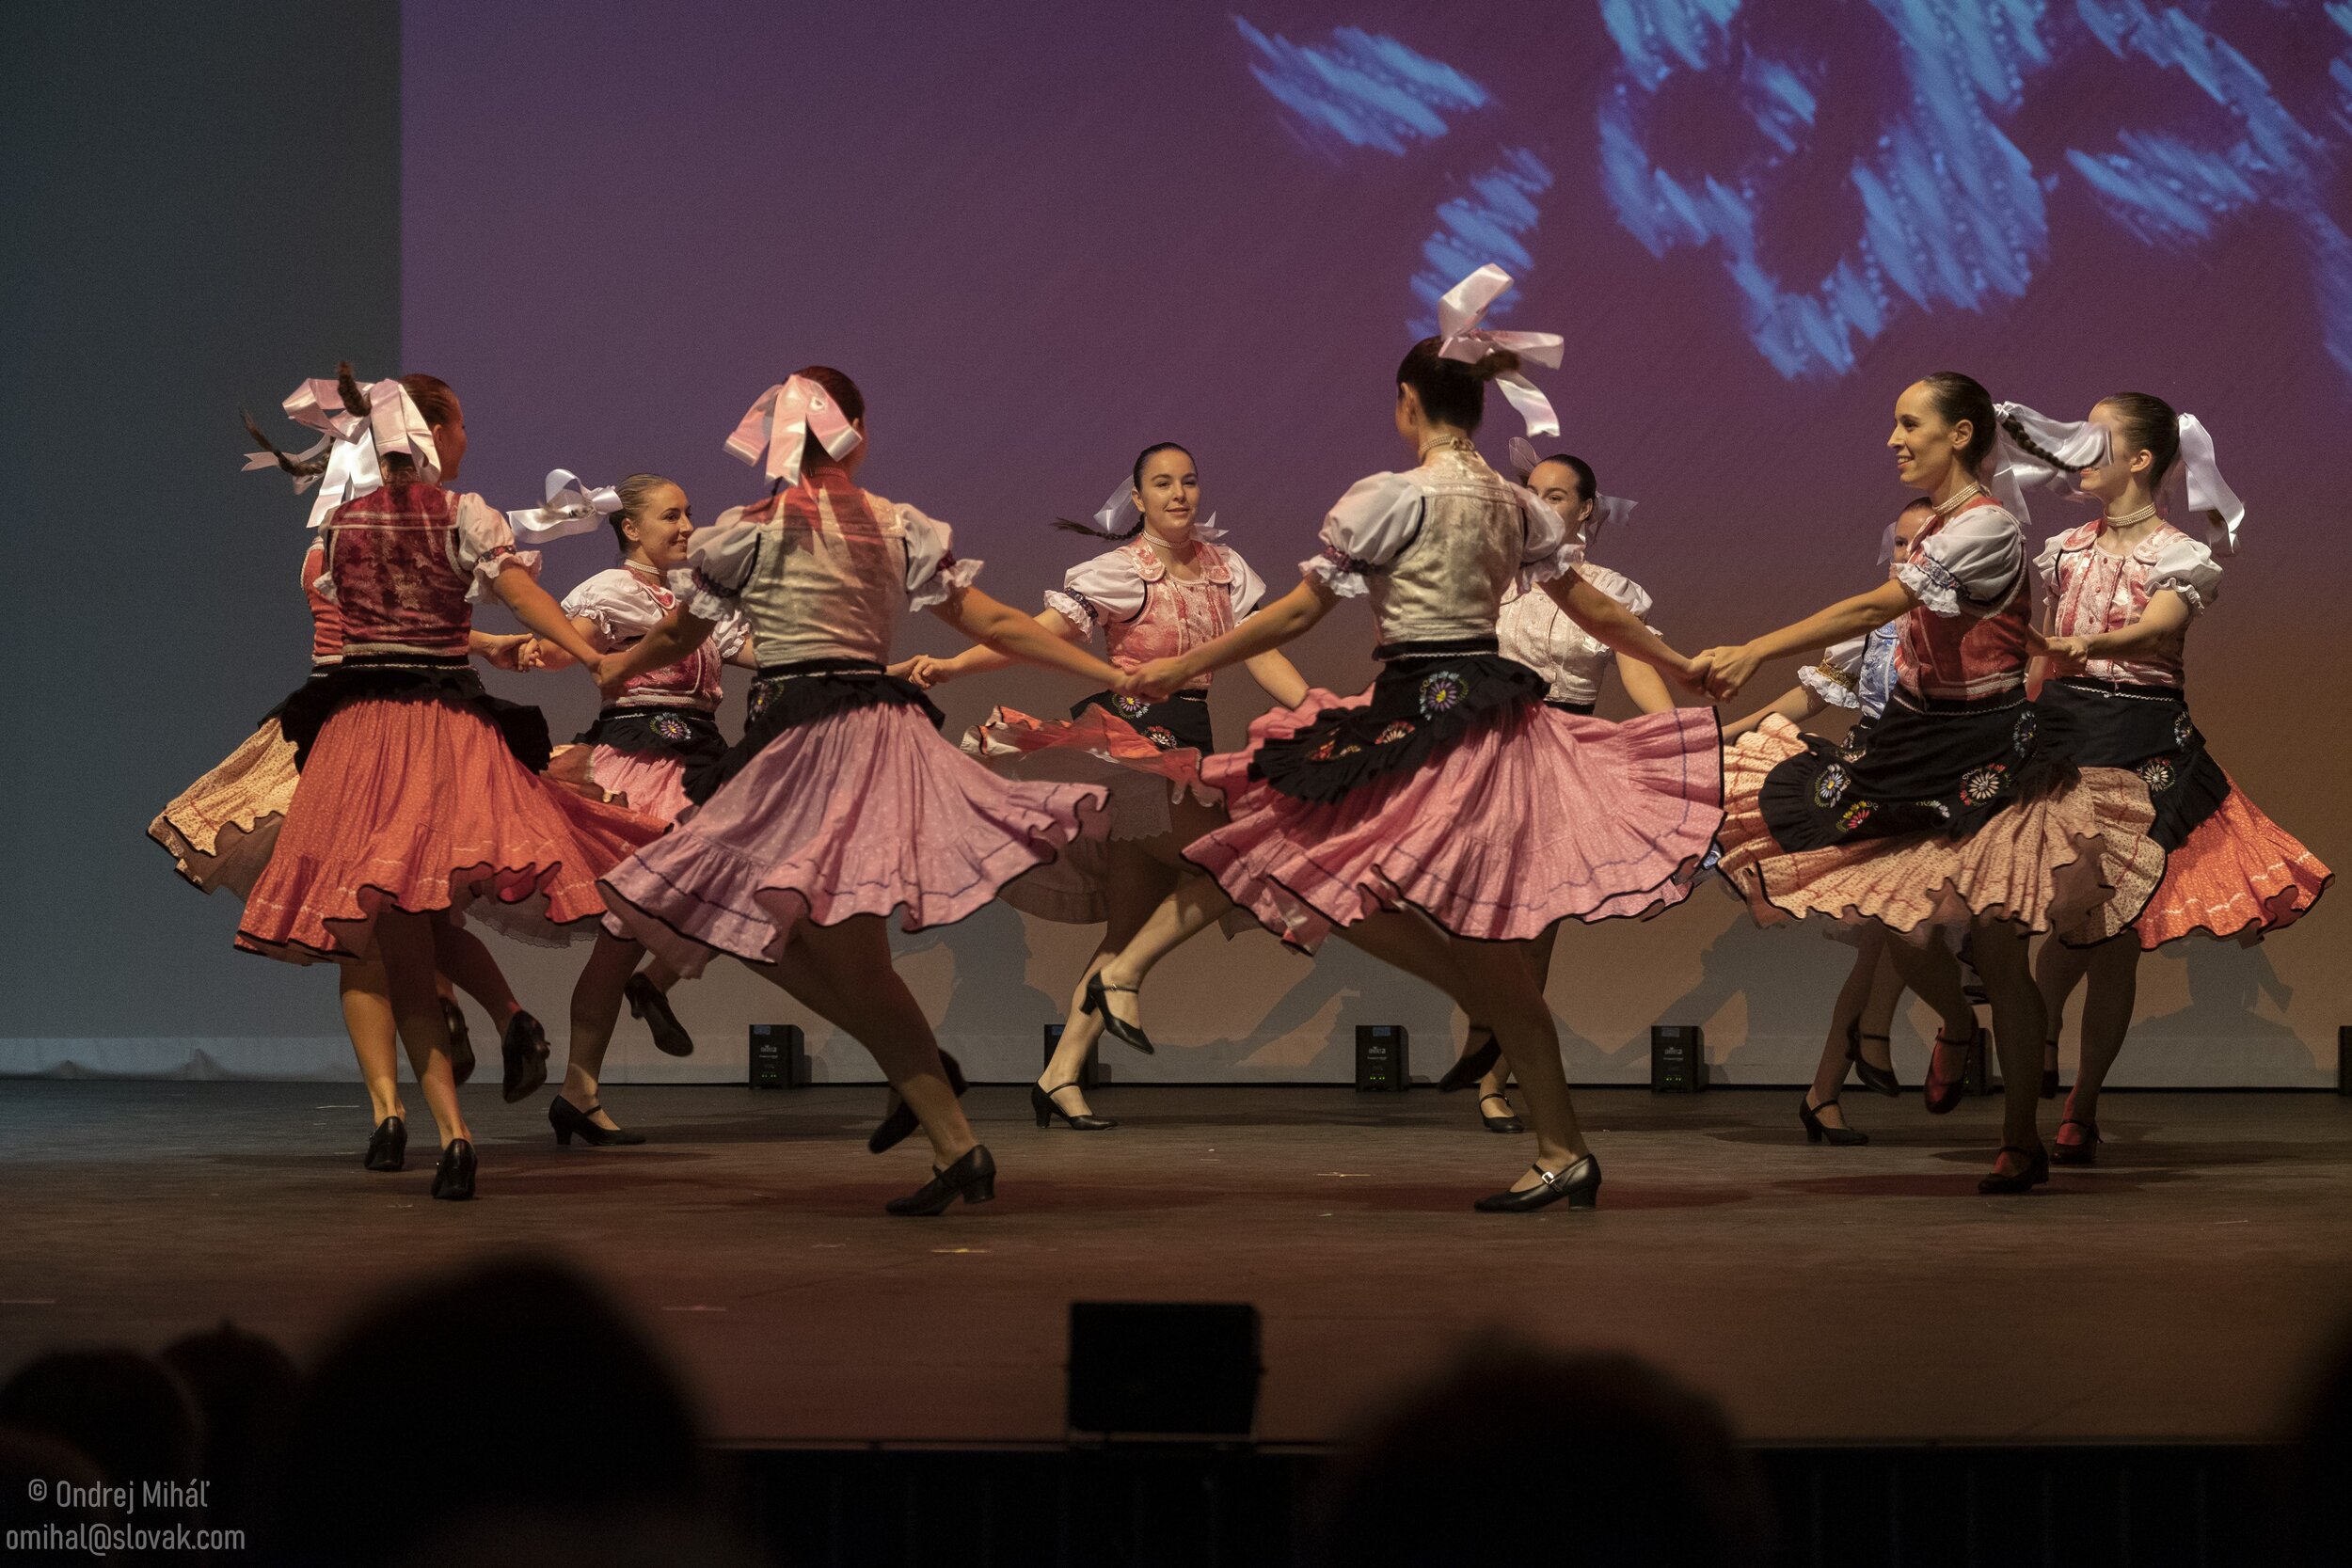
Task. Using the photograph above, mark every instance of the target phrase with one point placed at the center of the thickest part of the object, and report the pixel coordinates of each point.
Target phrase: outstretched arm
(1264, 631)
(1279, 677)
(1728, 669)
(1013, 634)
(536, 607)
(679, 634)
(1618, 628)
(2166, 614)
(1644, 685)
(1796, 704)
(924, 671)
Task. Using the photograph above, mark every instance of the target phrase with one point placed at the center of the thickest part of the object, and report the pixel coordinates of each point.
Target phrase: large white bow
(571, 508)
(1120, 514)
(1607, 509)
(1460, 310)
(781, 423)
(2195, 484)
(355, 443)
(2076, 445)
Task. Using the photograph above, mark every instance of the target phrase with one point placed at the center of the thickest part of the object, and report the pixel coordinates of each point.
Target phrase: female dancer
(1166, 589)
(664, 724)
(841, 803)
(2123, 589)
(1857, 673)
(420, 795)
(1954, 808)
(1532, 630)
(222, 830)
(1448, 787)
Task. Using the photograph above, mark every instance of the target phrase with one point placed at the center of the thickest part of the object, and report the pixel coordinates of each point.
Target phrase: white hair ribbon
(571, 508)
(1120, 514)
(2198, 484)
(2076, 444)
(1459, 311)
(1607, 509)
(781, 421)
(355, 444)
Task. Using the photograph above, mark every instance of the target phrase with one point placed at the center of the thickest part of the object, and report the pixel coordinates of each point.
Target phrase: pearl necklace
(2129, 519)
(1945, 508)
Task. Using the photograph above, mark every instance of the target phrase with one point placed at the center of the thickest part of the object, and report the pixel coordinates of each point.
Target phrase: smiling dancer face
(1944, 430)
(1167, 491)
(1565, 485)
(655, 522)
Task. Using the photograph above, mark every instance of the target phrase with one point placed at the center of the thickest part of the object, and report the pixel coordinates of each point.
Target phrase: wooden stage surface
(2174, 1293)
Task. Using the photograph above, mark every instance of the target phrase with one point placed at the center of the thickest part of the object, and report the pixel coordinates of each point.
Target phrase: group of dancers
(2005, 777)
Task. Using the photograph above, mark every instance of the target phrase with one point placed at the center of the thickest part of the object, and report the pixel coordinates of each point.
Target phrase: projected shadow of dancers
(1349, 987)
(994, 1015)
(1789, 979)
(2218, 1039)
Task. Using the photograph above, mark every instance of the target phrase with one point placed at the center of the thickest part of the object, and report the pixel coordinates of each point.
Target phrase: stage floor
(1827, 1295)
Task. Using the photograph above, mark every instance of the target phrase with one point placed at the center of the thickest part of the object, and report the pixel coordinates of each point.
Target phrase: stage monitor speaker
(1152, 1369)
(1979, 1075)
(2343, 1058)
(1089, 1074)
(779, 1056)
(1383, 1058)
(1678, 1058)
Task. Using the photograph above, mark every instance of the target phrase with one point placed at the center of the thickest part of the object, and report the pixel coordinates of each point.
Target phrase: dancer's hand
(1156, 680)
(922, 671)
(612, 674)
(1724, 670)
(509, 650)
(2067, 653)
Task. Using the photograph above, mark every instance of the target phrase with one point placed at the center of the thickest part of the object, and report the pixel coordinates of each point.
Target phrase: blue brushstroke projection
(1365, 89)
(1360, 90)
(1949, 211)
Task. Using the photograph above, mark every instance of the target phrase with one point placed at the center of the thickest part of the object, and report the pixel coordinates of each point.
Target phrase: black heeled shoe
(452, 1178)
(972, 1178)
(893, 1130)
(1508, 1122)
(570, 1122)
(388, 1145)
(1041, 1101)
(2085, 1152)
(1816, 1130)
(1579, 1184)
(524, 1048)
(646, 1001)
(1098, 1001)
(2049, 1070)
(1878, 1080)
(1941, 1094)
(1473, 1064)
(461, 1063)
(2036, 1173)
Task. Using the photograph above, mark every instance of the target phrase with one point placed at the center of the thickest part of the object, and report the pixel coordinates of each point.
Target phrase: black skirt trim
(1418, 705)
(305, 713)
(1172, 724)
(2147, 729)
(687, 734)
(786, 696)
(1582, 710)
(1945, 770)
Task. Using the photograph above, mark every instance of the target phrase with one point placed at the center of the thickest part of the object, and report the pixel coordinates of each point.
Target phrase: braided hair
(1959, 396)
(2149, 425)
(430, 393)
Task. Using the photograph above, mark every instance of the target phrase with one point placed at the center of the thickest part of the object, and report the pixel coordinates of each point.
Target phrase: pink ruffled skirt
(2238, 874)
(421, 806)
(867, 811)
(2080, 863)
(222, 828)
(1534, 818)
(1097, 748)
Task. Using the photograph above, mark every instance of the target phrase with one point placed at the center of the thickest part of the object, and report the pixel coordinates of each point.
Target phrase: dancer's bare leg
(1140, 880)
(661, 977)
(375, 1034)
(1537, 952)
(1492, 978)
(596, 1009)
(1932, 973)
(865, 997)
(405, 941)
(1195, 904)
(2057, 969)
(1870, 984)
(467, 963)
(2019, 1026)
(2113, 967)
